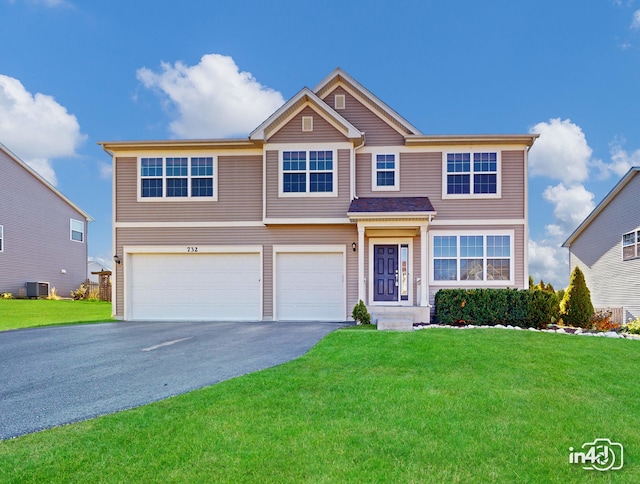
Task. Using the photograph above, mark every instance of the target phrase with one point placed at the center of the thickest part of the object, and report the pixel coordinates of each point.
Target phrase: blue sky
(76, 72)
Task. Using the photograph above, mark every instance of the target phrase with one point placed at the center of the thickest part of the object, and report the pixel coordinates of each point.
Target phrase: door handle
(396, 278)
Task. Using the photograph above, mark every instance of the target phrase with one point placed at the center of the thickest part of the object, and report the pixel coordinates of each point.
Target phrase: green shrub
(576, 308)
(360, 313)
(633, 327)
(480, 307)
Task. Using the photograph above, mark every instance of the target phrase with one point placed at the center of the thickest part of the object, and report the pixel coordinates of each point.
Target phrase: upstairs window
(471, 175)
(472, 257)
(77, 230)
(631, 245)
(177, 178)
(308, 172)
(385, 172)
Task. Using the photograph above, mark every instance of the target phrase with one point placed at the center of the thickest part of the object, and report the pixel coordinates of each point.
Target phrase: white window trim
(71, 221)
(188, 198)
(307, 194)
(473, 196)
(374, 171)
(1, 238)
(635, 244)
(473, 283)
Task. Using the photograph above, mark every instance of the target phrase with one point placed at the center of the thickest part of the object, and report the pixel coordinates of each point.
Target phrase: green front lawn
(437, 405)
(25, 313)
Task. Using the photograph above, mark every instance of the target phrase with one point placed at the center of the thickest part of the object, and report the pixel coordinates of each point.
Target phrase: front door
(385, 272)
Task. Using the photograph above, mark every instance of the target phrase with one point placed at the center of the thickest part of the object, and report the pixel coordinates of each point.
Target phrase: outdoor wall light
(354, 246)
(117, 259)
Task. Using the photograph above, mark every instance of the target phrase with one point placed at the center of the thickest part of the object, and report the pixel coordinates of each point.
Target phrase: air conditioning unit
(37, 289)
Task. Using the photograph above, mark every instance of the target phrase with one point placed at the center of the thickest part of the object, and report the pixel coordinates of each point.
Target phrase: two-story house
(43, 235)
(606, 247)
(332, 199)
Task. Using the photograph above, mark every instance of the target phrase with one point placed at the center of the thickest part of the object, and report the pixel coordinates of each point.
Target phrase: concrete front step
(389, 323)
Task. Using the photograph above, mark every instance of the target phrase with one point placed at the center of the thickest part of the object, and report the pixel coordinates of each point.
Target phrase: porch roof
(390, 206)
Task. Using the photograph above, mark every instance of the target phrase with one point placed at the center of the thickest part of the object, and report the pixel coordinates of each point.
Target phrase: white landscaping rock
(533, 329)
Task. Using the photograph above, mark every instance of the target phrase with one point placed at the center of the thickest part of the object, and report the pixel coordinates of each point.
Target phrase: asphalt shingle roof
(391, 205)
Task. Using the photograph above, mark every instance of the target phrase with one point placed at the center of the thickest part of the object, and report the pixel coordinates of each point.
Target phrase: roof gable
(633, 171)
(340, 78)
(48, 185)
(296, 104)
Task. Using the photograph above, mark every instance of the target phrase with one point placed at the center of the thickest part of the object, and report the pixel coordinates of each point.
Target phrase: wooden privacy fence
(617, 314)
(103, 286)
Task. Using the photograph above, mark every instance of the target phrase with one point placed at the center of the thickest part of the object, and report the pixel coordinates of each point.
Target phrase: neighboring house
(332, 199)
(606, 247)
(43, 235)
(94, 266)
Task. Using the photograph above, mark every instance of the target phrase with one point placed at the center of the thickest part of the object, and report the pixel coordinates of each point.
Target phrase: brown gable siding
(265, 236)
(377, 132)
(239, 195)
(308, 207)
(323, 132)
(37, 243)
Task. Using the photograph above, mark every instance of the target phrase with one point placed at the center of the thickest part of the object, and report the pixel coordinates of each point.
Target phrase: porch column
(424, 275)
(361, 285)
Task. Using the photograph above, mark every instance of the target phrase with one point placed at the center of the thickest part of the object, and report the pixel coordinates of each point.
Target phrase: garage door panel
(310, 286)
(196, 287)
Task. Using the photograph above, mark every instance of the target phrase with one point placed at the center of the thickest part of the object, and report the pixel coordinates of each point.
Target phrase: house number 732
(192, 249)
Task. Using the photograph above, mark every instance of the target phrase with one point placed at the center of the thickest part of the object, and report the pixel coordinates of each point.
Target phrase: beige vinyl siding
(377, 131)
(421, 175)
(239, 188)
(37, 243)
(598, 253)
(264, 236)
(323, 132)
(308, 206)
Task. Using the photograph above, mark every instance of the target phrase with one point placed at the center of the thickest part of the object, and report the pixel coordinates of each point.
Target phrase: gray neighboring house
(43, 235)
(606, 247)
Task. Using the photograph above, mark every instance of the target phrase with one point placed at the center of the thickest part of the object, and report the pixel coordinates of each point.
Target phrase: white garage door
(310, 287)
(195, 287)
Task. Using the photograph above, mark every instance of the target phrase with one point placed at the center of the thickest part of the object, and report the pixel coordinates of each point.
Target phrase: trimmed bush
(576, 308)
(488, 307)
(360, 313)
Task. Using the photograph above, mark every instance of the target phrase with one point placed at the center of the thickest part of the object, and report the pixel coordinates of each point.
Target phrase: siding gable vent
(307, 123)
(339, 101)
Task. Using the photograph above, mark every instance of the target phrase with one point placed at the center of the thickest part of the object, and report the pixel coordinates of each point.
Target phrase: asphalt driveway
(57, 375)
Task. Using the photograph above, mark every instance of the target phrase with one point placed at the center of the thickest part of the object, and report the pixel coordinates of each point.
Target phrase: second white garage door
(310, 286)
(195, 287)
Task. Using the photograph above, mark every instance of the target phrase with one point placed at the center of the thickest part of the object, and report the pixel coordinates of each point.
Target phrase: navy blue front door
(385, 260)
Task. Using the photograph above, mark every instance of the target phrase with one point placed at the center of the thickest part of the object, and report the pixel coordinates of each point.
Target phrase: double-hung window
(385, 172)
(472, 257)
(308, 172)
(77, 230)
(469, 174)
(177, 178)
(631, 245)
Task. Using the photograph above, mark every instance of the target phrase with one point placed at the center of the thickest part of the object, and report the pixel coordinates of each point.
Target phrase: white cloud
(571, 206)
(635, 24)
(106, 170)
(561, 152)
(213, 98)
(549, 262)
(36, 127)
